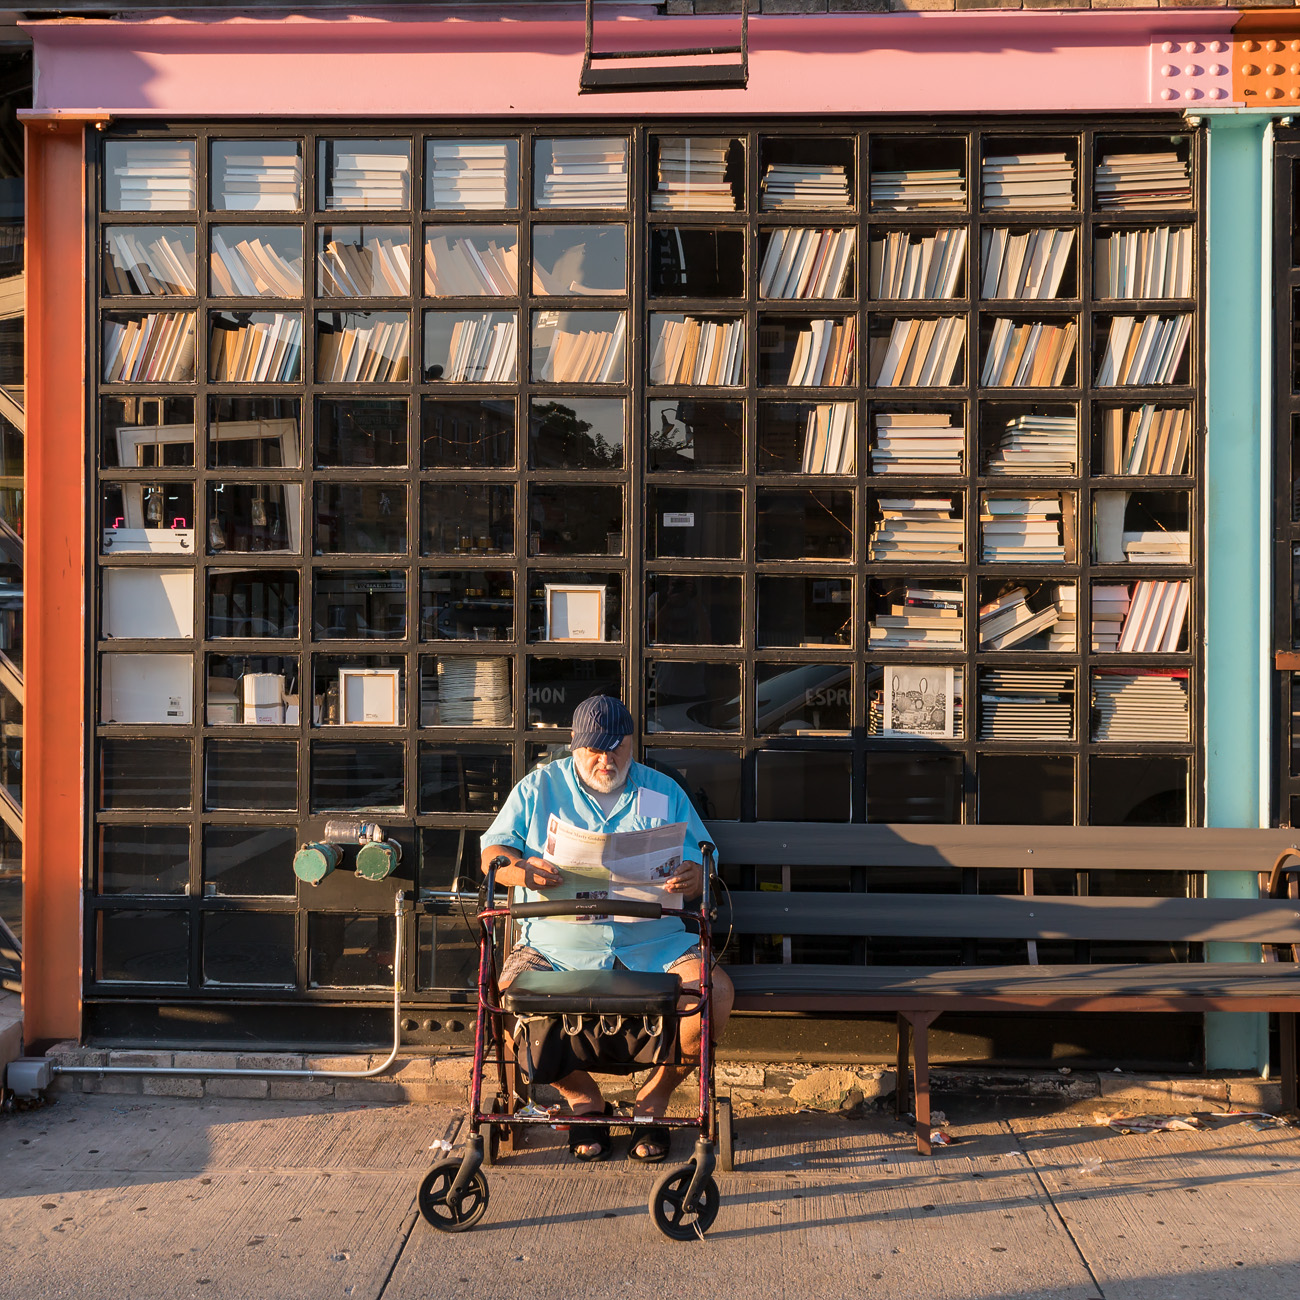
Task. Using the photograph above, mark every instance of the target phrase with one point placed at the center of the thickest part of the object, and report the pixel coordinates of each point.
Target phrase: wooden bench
(918, 995)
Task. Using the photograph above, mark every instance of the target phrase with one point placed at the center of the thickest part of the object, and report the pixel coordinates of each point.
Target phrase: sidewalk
(104, 1196)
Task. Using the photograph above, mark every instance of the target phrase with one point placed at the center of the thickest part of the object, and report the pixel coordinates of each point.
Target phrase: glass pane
(248, 948)
(367, 433)
(579, 261)
(686, 695)
(351, 951)
(139, 947)
(261, 175)
(363, 347)
(915, 353)
(356, 775)
(804, 786)
(144, 774)
(359, 604)
(360, 518)
(807, 353)
(155, 603)
(687, 434)
(692, 609)
(697, 173)
(907, 264)
(805, 611)
(580, 173)
(914, 788)
(912, 172)
(245, 517)
(1023, 704)
(144, 859)
(249, 861)
(251, 774)
(256, 262)
(557, 686)
(147, 518)
(148, 175)
(577, 433)
(1138, 792)
(363, 261)
(711, 777)
(1028, 615)
(579, 347)
(364, 174)
(447, 958)
(467, 433)
(812, 525)
(252, 603)
(686, 262)
(1023, 439)
(146, 432)
(254, 347)
(807, 438)
(1024, 789)
(146, 689)
(471, 347)
(806, 172)
(1026, 353)
(359, 690)
(1141, 350)
(804, 699)
(564, 520)
(1140, 708)
(464, 778)
(1027, 529)
(449, 859)
(573, 606)
(471, 261)
(254, 432)
(1137, 173)
(155, 261)
(467, 518)
(252, 690)
(1146, 439)
(923, 614)
(154, 347)
(694, 523)
(466, 691)
(796, 262)
(691, 350)
(1153, 262)
(1029, 173)
(470, 175)
(467, 605)
(1141, 527)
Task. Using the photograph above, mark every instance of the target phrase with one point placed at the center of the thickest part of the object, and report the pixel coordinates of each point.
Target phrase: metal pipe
(401, 907)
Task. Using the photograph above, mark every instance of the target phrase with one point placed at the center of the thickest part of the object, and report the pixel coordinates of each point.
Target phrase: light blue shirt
(521, 824)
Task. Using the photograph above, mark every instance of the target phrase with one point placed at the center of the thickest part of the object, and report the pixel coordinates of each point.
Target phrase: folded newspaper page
(630, 866)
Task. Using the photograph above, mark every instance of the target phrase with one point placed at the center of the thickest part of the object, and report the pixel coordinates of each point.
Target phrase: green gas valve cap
(376, 860)
(313, 862)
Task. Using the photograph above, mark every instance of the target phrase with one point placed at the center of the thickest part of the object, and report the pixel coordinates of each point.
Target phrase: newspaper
(629, 866)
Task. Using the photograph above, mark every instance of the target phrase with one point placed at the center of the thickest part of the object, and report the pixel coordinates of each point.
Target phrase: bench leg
(1290, 1060)
(920, 1026)
(903, 1083)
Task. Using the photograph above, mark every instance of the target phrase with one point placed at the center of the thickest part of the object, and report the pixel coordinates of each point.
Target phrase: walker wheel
(668, 1213)
(433, 1198)
(492, 1134)
(725, 1134)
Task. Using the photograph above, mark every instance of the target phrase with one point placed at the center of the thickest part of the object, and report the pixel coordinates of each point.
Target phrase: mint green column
(1238, 477)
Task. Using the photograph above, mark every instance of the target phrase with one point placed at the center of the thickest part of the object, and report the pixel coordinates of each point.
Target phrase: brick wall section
(895, 6)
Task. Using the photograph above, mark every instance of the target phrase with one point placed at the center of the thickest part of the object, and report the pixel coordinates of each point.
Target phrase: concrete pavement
(104, 1196)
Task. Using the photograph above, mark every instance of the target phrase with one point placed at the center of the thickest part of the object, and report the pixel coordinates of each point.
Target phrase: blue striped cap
(601, 722)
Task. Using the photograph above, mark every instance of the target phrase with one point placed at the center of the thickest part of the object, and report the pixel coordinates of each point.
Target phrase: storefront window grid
(634, 477)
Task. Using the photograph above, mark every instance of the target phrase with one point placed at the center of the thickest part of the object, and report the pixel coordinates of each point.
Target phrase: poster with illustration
(918, 701)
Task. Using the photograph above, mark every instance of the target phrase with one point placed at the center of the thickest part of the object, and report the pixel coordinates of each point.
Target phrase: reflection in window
(358, 691)
(566, 520)
(578, 261)
(249, 948)
(360, 518)
(687, 695)
(686, 262)
(692, 609)
(249, 861)
(449, 859)
(813, 525)
(146, 432)
(252, 603)
(577, 433)
(254, 432)
(687, 434)
(144, 774)
(147, 518)
(359, 604)
(1022, 789)
(1137, 792)
(245, 517)
(466, 691)
(256, 262)
(914, 788)
(479, 434)
(356, 775)
(467, 519)
(144, 859)
(251, 774)
(579, 347)
(252, 690)
(351, 951)
(804, 699)
(693, 523)
(366, 433)
(557, 686)
(808, 438)
(467, 605)
(471, 347)
(155, 261)
(140, 947)
(471, 261)
(804, 611)
(804, 786)
(464, 778)
(710, 776)
(363, 261)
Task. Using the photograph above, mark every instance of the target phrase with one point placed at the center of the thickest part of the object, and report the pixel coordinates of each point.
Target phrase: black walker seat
(591, 992)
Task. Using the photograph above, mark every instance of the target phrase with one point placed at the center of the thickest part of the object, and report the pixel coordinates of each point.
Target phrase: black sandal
(588, 1135)
(656, 1134)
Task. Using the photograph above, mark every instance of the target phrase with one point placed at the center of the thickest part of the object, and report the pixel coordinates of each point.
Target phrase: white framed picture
(919, 700)
(575, 611)
(368, 697)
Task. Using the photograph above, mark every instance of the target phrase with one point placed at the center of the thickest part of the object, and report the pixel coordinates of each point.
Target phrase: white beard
(606, 784)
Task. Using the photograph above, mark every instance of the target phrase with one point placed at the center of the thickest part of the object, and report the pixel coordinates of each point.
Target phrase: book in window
(1038, 263)
(471, 175)
(916, 614)
(363, 261)
(802, 262)
(374, 174)
(149, 347)
(697, 173)
(580, 172)
(579, 347)
(254, 347)
(363, 347)
(256, 176)
(918, 173)
(916, 352)
(801, 353)
(255, 262)
(696, 351)
(149, 175)
(154, 261)
(471, 261)
(471, 347)
(906, 440)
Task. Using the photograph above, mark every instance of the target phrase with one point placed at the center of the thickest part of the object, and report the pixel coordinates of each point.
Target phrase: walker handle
(587, 907)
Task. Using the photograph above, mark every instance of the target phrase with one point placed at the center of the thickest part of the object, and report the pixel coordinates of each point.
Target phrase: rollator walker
(608, 1021)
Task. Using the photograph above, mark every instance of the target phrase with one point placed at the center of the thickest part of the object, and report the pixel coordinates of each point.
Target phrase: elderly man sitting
(600, 788)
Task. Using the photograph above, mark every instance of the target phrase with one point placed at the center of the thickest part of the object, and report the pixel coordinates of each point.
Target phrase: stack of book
(1026, 704)
(1158, 545)
(916, 442)
(374, 353)
(1034, 354)
(256, 181)
(1061, 636)
(586, 173)
(1024, 530)
(1145, 440)
(252, 268)
(918, 528)
(585, 356)
(1028, 182)
(1144, 350)
(918, 353)
(828, 443)
(1110, 606)
(1156, 617)
(255, 352)
(481, 350)
(470, 266)
(692, 351)
(1030, 264)
(1147, 707)
(1009, 620)
(805, 185)
(156, 349)
(154, 176)
(925, 616)
(1036, 444)
(363, 179)
(1132, 181)
(145, 261)
(914, 188)
(904, 265)
(1144, 263)
(473, 692)
(803, 263)
(823, 354)
(469, 175)
(379, 268)
(692, 175)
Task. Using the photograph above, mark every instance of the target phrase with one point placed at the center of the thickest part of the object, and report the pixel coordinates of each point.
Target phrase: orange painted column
(55, 741)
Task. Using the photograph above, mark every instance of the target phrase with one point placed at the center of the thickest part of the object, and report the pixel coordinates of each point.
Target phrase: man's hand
(531, 873)
(688, 879)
